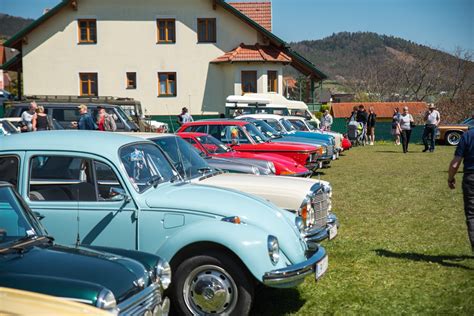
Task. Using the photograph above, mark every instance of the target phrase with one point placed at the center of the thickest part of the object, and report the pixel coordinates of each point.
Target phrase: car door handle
(38, 215)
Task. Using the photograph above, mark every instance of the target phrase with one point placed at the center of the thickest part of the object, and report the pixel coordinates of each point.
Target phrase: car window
(9, 169)
(13, 224)
(233, 134)
(107, 182)
(215, 130)
(66, 115)
(61, 178)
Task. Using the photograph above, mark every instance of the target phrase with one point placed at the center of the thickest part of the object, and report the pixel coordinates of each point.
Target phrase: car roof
(262, 116)
(218, 122)
(63, 104)
(299, 118)
(67, 140)
(146, 135)
(195, 134)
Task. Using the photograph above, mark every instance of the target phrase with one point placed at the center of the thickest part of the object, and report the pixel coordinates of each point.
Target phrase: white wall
(126, 42)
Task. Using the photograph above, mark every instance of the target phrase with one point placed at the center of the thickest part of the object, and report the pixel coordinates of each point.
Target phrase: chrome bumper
(294, 274)
(313, 237)
(305, 174)
(147, 302)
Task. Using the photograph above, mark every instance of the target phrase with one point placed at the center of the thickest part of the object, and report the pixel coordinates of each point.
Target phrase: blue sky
(442, 24)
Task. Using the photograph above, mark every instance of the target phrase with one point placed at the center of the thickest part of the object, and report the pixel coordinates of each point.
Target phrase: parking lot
(402, 246)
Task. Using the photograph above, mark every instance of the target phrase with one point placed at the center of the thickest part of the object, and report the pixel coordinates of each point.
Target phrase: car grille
(320, 203)
(140, 303)
(330, 151)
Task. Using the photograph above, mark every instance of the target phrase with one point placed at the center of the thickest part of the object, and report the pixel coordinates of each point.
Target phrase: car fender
(247, 242)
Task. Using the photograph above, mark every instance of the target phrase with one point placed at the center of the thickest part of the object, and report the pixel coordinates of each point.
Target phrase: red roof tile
(382, 109)
(260, 12)
(254, 53)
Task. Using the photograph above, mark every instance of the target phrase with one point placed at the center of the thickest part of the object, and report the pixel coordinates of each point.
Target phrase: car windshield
(266, 129)
(184, 156)
(309, 125)
(146, 165)
(299, 125)
(14, 223)
(213, 145)
(275, 124)
(255, 134)
(287, 125)
(7, 128)
(312, 125)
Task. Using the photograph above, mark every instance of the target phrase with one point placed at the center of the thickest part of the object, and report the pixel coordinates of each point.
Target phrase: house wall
(126, 42)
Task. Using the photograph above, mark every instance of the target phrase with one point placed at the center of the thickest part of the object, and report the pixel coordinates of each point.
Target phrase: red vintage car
(212, 147)
(243, 136)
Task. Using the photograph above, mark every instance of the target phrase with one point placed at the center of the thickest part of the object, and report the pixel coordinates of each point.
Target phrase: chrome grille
(146, 300)
(320, 203)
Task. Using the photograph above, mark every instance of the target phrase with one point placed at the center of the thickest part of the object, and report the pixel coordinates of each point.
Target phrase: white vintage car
(309, 198)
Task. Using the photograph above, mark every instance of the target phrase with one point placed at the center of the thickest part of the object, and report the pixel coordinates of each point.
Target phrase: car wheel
(211, 284)
(453, 138)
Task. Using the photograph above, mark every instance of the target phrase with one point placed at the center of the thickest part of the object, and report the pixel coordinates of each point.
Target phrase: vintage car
(244, 136)
(107, 189)
(214, 148)
(451, 133)
(328, 150)
(308, 198)
(30, 260)
(25, 303)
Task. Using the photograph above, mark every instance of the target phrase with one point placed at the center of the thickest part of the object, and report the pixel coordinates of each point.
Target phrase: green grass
(402, 246)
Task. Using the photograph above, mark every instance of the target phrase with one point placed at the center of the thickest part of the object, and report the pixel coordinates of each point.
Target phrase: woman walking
(41, 120)
(406, 121)
(396, 126)
(371, 125)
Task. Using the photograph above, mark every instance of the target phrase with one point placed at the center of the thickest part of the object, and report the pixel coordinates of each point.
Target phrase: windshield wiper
(204, 170)
(155, 180)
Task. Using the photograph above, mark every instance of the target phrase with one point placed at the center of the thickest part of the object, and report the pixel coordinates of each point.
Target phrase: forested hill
(10, 25)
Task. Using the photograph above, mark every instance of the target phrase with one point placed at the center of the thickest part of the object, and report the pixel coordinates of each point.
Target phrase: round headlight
(273, 249)
(271, 166)
(106, 300)
(163, 273)
(255, 171)
(299, 223)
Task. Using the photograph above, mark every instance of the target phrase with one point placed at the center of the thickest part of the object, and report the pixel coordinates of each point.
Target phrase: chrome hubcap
(210, 290)
(454, 138)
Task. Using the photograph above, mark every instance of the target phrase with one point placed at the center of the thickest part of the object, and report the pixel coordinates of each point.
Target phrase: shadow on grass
(283, 301)
(441, 260)
(390, 151)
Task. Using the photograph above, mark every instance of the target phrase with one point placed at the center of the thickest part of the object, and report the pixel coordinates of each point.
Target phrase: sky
(441, 24)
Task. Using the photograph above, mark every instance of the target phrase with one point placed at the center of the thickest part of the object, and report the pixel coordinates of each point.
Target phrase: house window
(166, 30)
(88, 84)
(87, 31)
(249, 81)
(207, 30)
(272, 81)
(167, 84)
(131, 80)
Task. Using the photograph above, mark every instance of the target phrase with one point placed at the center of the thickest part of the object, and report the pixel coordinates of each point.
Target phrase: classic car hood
(269, 157)
(283, 147)
(220, 202)
(79, 264)
(304, 140)
(285, 192)
(312, 135)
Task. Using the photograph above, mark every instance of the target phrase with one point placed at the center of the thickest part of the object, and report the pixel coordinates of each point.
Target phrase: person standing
(465, 151)
(362, 118)
(105, 122)
(326, 121)
(372, 118)
(396, 126)
(184, 117)
(432, 119)
(85, 122)
(406, 120)
(41, 122)
(28, 116)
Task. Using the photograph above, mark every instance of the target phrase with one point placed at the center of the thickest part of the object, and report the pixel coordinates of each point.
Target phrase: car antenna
(78, 237)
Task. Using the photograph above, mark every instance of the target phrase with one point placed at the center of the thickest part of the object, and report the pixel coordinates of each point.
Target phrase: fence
(382, 130)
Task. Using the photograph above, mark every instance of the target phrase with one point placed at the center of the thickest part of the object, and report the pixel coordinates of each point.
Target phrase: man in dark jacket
(85, 122)
(465, 151)
(362, 117)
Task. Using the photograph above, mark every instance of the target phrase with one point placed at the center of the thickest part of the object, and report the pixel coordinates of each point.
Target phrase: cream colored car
(308, 198)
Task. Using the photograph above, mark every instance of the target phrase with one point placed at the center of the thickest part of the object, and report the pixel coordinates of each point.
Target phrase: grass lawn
(402, 246)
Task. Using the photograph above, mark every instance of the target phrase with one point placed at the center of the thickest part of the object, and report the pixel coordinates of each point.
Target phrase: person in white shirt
(326, 121)
(406, 120)
(184, 117)
(432, 119)
(28, 116)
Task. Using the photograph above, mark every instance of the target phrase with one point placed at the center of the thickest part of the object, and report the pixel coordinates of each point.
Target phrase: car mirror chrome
(119, 194)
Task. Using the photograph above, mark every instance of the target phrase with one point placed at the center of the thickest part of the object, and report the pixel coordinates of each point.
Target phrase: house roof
(254, 53)
(260, 12)
(299, 62)
(382, 109)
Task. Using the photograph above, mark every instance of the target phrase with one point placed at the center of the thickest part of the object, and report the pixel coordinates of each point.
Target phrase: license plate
(321, 267)
(332, 232)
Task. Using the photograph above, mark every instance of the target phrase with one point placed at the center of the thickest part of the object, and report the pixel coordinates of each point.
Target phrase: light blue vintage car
(105, 189)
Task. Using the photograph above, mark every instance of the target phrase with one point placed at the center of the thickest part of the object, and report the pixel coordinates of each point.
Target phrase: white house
(165, 53)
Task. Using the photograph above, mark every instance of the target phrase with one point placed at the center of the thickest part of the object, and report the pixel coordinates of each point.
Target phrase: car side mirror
(119, 194)
(38, 215)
